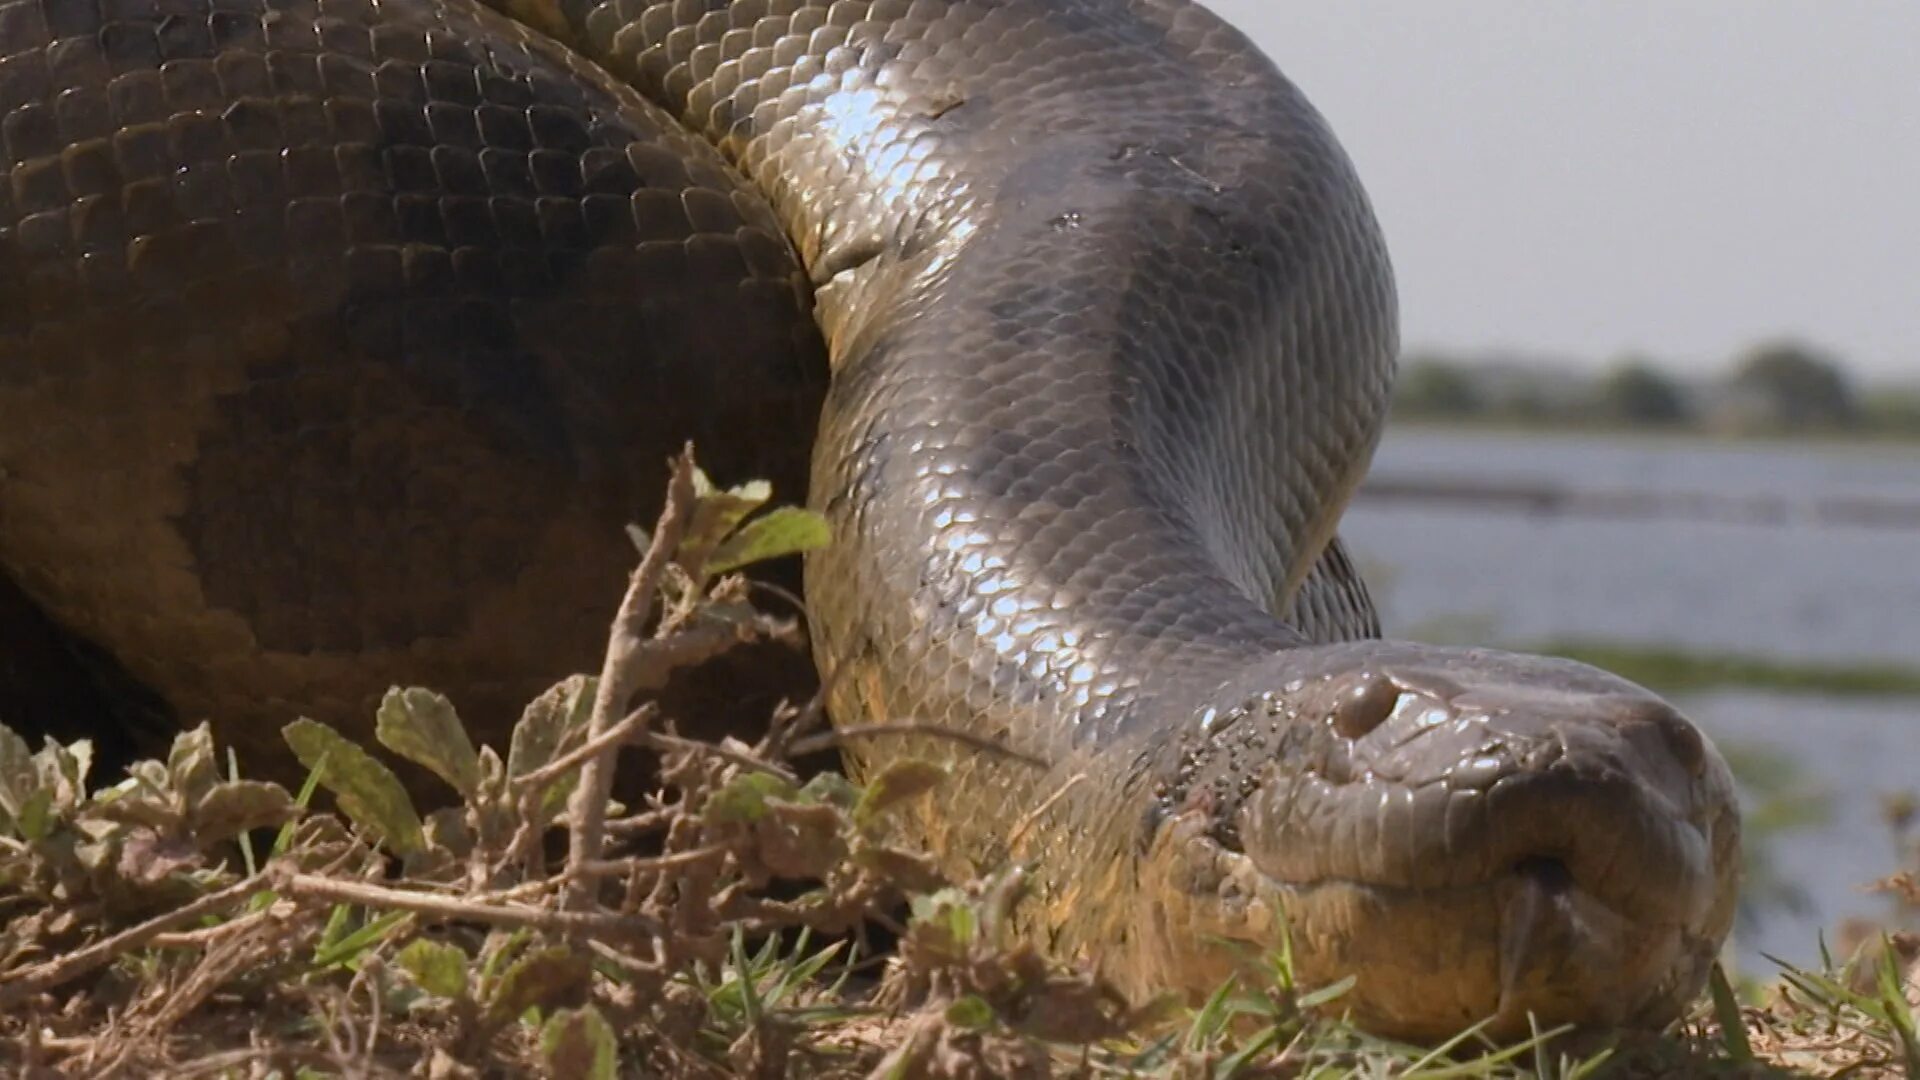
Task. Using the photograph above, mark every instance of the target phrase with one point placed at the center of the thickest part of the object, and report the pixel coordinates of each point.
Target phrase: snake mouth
(1624, 843)
(1546, 931)
(1548, 874)
(1483, 838)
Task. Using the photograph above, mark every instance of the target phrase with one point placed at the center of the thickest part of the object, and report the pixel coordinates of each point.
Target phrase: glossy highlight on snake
(339, 338)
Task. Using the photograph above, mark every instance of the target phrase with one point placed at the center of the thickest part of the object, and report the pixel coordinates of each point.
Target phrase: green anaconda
(338, 339)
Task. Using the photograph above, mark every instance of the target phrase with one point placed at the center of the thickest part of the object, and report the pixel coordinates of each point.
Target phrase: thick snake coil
(339, 337)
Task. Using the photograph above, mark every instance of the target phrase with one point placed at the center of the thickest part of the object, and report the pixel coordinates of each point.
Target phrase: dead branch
(620, 677)
(665, 743)
(609, 740)
(42, 977)
(442, 908)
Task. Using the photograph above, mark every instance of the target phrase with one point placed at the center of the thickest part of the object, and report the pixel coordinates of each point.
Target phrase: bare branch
(511, 916)
(620, 676)
(43, 977)
(675, 744)
(611, 739)
(1019, 832)
(614, 867)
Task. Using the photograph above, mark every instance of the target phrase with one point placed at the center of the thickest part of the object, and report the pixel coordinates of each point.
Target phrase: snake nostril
(1688, 745)
(1549, 873)
(1364, 706)
(1682, 739)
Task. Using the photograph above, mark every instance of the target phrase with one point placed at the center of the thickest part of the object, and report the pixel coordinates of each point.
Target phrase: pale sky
(1674, 177)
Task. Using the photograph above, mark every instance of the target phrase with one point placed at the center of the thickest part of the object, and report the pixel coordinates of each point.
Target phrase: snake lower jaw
(1516, 955)
(1594, 904)
(1523, 951)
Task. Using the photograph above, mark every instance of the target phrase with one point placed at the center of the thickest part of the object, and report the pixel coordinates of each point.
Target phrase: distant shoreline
(1775, 391)
(1559, 428)
(1557, 500)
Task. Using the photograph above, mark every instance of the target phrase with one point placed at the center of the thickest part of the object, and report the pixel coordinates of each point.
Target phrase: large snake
(339, 337)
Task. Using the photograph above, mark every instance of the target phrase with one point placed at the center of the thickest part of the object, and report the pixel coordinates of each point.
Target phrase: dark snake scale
(339, 338)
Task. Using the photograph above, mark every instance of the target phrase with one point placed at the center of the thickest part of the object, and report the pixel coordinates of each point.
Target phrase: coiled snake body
(340, 336)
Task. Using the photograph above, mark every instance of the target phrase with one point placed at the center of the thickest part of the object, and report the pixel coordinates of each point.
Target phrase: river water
(1749, 548)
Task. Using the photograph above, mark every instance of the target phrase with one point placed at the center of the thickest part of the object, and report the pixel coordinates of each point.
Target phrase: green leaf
(493, 771)
(744, 798)
(34, 819)
(438, 968)
(579, 1043)
(422, 727)
(897, 783)
(1330, 992)
(552, 725)
(233, 807)
(347, 946)
(747, 972)
(134, 803)
(1234, 1063)
(949, 915)
(830, 789)
(193, 766)
(339, 924)
(1212, 1017)
(65, 768)
(784, 530)
(714, 519)
(971, 1012)
(501, 952)
(800, 969)
(550, 978)
(1726, 1007)
(368, 791)
(283, 840)
(19, 778)
(548, 722)
(448, 830)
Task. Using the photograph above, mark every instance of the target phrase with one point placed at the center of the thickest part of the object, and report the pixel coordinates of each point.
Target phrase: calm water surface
(1795, 588)
(1800, 588)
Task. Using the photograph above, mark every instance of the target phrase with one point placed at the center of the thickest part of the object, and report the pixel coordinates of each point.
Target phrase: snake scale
(339, 338)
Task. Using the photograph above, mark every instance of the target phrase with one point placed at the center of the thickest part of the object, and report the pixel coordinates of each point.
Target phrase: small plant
(152, 841)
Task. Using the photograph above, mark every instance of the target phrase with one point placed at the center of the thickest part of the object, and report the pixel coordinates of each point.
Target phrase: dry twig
(62, 969)
(620, 677)
(512, 916)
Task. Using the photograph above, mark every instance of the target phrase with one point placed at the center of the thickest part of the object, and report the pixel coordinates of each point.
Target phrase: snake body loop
(341, 336)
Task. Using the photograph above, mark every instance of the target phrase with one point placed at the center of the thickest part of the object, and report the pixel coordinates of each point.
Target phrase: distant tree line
(1777, 387)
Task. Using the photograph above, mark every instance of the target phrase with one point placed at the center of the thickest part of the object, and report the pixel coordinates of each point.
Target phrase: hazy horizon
(1581, 182)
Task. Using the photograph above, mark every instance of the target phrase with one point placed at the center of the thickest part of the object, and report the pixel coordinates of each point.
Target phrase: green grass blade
(1733, 1025)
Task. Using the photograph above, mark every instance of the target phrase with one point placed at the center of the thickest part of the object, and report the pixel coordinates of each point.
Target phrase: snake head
(1474, 836)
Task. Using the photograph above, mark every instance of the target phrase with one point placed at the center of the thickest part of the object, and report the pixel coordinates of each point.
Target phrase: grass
(189, 921)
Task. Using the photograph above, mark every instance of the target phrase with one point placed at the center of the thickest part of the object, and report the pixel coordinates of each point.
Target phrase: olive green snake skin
(340, 337)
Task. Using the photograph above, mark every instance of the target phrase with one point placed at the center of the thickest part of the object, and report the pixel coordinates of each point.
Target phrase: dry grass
(189, 922)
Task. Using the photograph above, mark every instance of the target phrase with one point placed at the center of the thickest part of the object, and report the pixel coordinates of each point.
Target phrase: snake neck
(1055, 245)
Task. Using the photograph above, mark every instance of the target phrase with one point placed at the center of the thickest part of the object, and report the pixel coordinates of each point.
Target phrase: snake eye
(1364, 706)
